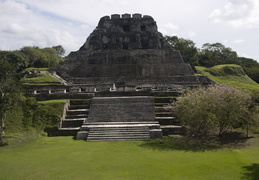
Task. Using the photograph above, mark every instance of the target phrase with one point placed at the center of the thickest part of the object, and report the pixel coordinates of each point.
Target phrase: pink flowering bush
(216, 109)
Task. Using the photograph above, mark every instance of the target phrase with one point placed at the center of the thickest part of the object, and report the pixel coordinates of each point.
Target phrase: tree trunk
(1, 127)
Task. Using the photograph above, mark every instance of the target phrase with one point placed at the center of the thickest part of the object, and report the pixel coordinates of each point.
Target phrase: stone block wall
(121, 109)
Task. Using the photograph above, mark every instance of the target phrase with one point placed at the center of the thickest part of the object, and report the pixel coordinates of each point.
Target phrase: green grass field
(229, 74)
(64, 158)
(41, 79)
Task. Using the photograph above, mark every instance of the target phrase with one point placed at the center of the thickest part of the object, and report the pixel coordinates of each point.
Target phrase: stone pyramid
(127, 53)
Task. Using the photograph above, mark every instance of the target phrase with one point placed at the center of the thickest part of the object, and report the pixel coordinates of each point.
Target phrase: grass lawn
(41, 79)
(64, 158)
(229, 74)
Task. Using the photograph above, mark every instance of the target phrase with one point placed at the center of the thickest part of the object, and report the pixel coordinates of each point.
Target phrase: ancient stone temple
(127, 53)
(123, 64)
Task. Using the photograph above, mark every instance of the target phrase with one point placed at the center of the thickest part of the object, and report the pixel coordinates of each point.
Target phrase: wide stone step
(69, 128)
(84, 102)
(165, 118)
(160, 109)
(164, 113)
(118, 132)
(161, 104)
(74, 119)
(121, 124)
(118, 135)
(115, 126)
(77, 112)
(76, 116)
(78, 107)
(172, 129)
(164, 100)
(138, 136)
(119, 139)
(71, 123)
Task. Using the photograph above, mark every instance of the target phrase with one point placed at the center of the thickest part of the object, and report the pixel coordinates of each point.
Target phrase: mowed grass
(229, 74)
(41, 79)
(65, 158)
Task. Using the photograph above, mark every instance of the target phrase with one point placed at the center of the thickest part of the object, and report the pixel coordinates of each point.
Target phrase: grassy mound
(229, 74)
(41, 79)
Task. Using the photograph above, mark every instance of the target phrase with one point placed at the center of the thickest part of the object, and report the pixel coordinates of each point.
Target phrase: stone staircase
(75, 113)
(117, 132)
(166, 118)
(120, 118)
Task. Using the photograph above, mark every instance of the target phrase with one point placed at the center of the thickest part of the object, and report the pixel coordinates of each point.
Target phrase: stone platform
(120, 118)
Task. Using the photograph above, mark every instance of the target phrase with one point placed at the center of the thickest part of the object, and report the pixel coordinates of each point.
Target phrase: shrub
(217, 108)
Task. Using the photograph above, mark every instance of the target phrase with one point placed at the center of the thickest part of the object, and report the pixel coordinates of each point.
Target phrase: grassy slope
(63, 158)
(229, 74)
(41, 79)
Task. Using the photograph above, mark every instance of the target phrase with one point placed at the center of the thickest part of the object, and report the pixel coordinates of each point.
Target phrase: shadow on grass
(3, 144)
(251, 172)
(230, 140)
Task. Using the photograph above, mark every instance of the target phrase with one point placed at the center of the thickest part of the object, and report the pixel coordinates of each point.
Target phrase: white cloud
(24, 26)
(238, 13)
(168, 28)
(239, 41)
(47, 22)
(191, 34)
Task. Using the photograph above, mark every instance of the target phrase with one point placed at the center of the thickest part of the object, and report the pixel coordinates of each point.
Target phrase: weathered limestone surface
(121, 118)
(128, 50)
(122, 109)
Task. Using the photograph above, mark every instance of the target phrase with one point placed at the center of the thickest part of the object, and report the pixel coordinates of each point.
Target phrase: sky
(47, 23)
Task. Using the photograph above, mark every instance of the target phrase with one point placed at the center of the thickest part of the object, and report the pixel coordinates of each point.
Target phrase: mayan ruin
(127, 53)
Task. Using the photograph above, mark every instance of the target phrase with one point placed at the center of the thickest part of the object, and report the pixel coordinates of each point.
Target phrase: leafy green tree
(36, 57)
(251, 67)
(42, 58)
(16, 58)
(186, 47)
(253, 73)
(9, 91)
(215, 54)
(53, 58)
(60, 50)
(247, 62)
(217, 108)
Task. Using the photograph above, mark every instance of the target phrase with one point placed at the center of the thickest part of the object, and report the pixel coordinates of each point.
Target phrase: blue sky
(46, 23)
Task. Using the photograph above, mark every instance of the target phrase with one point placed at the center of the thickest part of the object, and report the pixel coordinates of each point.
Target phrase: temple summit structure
(127, 53)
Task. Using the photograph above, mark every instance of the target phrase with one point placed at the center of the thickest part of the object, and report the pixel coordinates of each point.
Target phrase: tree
(59, 49)
(215, 54)
(251, 67)
(253, 73)
(52, 57)
(217, 108)
(247, 62)
(9, 91)
(16, 58)
(42, 58)
(186, 47)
